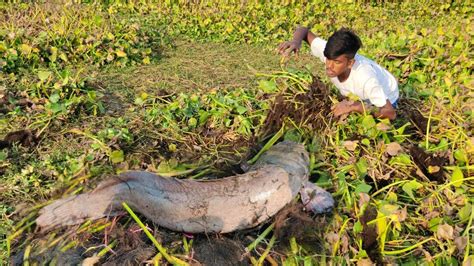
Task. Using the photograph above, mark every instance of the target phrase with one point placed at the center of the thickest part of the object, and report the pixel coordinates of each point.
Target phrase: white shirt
(367, 80)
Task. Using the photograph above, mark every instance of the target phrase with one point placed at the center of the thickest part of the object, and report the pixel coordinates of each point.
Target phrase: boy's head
(340, 50)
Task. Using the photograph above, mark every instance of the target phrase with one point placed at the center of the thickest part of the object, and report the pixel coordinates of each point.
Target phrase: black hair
(342, 42)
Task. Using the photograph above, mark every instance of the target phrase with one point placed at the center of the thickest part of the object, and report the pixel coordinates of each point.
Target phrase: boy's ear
(351, 62)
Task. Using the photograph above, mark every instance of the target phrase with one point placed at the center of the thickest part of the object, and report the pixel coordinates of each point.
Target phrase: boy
(350, 72)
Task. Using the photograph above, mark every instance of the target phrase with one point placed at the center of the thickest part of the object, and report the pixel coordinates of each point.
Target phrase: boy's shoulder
(363, 69)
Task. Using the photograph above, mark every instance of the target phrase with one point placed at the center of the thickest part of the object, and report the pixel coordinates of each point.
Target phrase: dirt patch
(54, 256)
(112, 102)
(369, 235)
(132, 257)
(408, 112)
(430, 164)
(23, 137)
(293, 222)
(312, 108)
(218, 251)
(8, 102)
(377, 182)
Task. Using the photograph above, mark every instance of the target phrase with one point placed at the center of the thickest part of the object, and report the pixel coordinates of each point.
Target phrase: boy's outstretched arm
(300, 34)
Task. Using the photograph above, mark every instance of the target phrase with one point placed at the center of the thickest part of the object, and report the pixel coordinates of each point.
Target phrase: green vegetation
(186, 90)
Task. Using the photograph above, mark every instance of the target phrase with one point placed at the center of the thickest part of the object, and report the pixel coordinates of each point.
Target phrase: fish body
(219, 205)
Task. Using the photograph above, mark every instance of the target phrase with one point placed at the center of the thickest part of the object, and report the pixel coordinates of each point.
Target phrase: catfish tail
(79, 208)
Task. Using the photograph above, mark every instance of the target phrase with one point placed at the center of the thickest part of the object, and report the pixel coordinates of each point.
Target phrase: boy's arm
(344, 107)
(386, 111)
(300, 34)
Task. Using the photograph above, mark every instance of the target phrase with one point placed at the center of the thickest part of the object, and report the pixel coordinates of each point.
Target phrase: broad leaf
(44, 75)
(116, 156)
(457, 177)
(410, 187)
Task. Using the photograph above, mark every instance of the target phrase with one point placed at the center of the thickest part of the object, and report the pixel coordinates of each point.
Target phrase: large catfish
(220, 205)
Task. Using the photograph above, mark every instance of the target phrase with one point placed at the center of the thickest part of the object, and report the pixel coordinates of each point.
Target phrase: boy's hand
(285, 48)
(343, 107)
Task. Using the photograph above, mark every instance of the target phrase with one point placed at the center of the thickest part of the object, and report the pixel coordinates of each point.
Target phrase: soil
(219, 251)
(369, 235)
(408, 112)
(312, 107)
(379, 182)
(9, 102)
(24, 137)
(308, 231)
(426, 161)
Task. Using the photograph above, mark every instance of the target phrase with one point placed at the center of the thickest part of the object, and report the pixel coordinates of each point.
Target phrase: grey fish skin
(220, 206)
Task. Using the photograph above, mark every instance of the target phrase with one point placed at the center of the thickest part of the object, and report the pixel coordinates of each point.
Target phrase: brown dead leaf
(332, 238)
(91, 261)
(432, 214)
(230, 136)
(365, 262)
(445, 231)
(461, 243)
(383, 127)
(344, 244)
(393, 148)
(363, 198)
(428, 256)
(420, 173)
(460, 200)
(350, 145)
(469, 261)
(402, 214)
(457, 231)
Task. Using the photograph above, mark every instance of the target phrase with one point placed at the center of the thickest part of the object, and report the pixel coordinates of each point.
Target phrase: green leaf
(120, 53)
(401, 159)
(361, 167)
(173, 168)
(63, 57)
(3, 156)
(44, 75)
(368, 122)
(433, 223)
(457, 177)
(54, 98)
(410, 186)
(388, 209)
(25, 48)
(203, 116)
(358, 227)
(460, 155)
(363, 187)
(365, 141)
(292, 135)
(268, 86)
(56, 107)
(382, 229)
(172, 147)
(465, 212)
(192, 122)
(240, 109)
(116, 156)
(392, 197)
(139, 101)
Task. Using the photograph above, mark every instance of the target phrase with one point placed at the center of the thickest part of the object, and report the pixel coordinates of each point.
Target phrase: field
(195, 90)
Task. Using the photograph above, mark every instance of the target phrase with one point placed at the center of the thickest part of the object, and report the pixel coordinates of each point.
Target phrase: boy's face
(338, 65)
